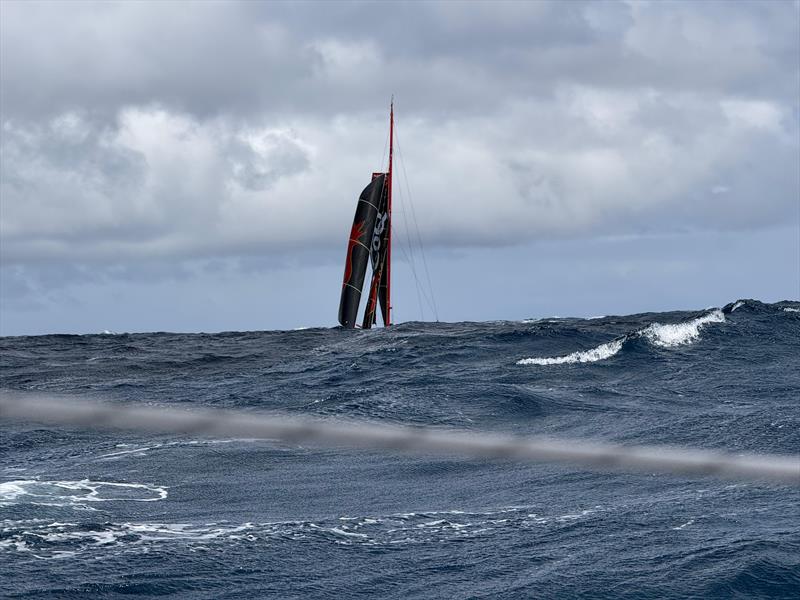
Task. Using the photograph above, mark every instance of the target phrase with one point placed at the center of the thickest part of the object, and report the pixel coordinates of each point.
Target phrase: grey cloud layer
(175, 130)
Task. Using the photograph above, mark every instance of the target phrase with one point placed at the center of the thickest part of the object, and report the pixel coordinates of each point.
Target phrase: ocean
(104, 514)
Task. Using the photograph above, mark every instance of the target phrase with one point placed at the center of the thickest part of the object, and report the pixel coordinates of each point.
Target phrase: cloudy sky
(194, 166)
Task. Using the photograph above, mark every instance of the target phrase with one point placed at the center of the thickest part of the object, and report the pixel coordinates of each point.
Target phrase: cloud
(143, 132)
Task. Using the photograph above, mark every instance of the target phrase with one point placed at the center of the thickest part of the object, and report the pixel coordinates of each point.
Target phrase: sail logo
(380, 225)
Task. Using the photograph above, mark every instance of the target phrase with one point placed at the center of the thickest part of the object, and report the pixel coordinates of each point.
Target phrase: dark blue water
(110, 515)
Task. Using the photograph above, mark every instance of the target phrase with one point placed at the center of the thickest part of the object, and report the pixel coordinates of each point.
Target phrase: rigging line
(412, 262)
(414, 216)
(68, 411)
(420, 287)
(417, 282)
(432, 301)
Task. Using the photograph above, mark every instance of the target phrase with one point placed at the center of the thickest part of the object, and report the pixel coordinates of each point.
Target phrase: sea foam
(56, 540)
(76, 493)
(602, 352)
(678, 334)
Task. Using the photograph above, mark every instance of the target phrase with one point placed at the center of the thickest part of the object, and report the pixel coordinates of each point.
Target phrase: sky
(194, 166)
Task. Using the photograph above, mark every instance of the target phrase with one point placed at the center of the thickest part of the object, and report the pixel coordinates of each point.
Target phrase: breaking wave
(664, 336)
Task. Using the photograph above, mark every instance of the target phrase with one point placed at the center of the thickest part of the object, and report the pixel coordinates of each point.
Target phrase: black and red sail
(359, 249)
(370, 242)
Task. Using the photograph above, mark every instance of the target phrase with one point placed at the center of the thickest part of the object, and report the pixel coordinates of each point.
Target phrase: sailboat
(370, 242)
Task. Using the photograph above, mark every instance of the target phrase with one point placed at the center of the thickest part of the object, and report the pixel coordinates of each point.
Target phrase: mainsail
(370, 242)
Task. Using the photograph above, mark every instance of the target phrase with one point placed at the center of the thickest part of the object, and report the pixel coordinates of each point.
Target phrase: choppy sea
(99, 514)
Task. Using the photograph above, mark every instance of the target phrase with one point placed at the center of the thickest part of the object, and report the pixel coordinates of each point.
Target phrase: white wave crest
(678, 334)
(790, 309)
(739, 304)
(76, 493)
(602, 352)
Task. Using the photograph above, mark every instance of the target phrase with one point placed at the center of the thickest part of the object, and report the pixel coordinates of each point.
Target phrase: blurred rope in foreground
(229, 423)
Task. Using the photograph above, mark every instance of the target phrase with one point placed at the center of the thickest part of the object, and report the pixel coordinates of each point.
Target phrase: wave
(662, 335)
(790, 309)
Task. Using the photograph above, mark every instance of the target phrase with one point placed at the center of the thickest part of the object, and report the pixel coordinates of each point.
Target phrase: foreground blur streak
(56, 410)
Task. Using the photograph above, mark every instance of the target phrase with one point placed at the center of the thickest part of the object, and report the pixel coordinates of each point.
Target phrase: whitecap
(553, 319)
(678, 334)
(738, 304)
(61, 540)
(342, 532)
(602, 352)
(52, 540)
(790, 309)
(135, 451)
(574, 516)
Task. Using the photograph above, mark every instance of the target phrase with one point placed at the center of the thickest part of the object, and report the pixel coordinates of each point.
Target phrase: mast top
(391, 137)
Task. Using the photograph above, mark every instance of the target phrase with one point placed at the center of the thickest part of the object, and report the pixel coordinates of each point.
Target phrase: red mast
(389, 209)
